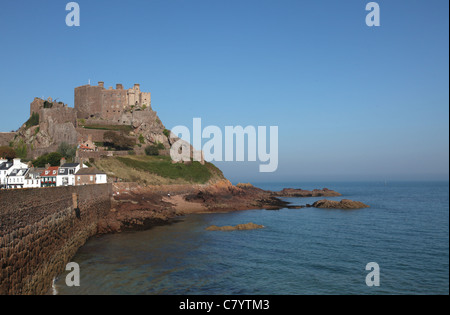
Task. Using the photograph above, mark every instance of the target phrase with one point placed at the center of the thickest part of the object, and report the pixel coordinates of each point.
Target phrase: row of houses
(15, 174)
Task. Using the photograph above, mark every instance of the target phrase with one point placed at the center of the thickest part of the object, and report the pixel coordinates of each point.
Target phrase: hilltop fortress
(96, 110)
(110, 104)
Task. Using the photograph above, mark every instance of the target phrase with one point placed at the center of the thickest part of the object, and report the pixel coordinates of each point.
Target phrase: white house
(7, 167)
(17, 178)
(101, 178)
(33, 179)
(90, 176)
(66, 174)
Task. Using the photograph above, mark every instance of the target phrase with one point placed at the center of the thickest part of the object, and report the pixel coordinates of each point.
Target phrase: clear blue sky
(351, 102)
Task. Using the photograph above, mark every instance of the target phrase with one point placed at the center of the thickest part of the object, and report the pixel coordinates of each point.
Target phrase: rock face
(343, 204)
(240, 227)
(290, 192)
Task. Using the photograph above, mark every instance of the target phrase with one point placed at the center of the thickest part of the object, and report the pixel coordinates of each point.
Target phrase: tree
(67, 151)
(7, 153)
(21, 149)
(53, 159)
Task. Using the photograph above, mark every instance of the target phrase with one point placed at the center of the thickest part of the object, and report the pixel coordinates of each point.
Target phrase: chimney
(47, 165)
(16, 162)
(119, 86)
(62, 162)
(101, 84)
(90, 138)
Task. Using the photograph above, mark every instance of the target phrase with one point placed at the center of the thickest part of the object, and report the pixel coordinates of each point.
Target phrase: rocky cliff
(52, 123)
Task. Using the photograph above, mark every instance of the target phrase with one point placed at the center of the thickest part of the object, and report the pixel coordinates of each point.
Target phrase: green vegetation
(33, 121)
(124, 128)
(118, 141)
(144, 106)
(141, 139)
(37, 130)
(166, 133)
(21, 149)
(151, 150)
(48, 104)
(68, 151)
(162, 166)
(53, 159)
(7, 153)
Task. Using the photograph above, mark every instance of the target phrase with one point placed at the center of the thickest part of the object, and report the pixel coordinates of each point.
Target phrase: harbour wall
(42, 229)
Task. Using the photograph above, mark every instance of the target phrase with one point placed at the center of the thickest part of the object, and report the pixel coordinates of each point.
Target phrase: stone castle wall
(40, 231)
(88, 101)
(96, 102)
(6, 138)
(97, 134)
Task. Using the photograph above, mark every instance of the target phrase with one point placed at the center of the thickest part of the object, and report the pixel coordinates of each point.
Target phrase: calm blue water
(306, 251)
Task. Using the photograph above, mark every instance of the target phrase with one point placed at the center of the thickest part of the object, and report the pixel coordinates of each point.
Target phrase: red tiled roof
(51, 171)
(85, 147)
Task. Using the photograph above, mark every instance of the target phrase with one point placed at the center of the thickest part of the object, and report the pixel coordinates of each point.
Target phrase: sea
(305, 251)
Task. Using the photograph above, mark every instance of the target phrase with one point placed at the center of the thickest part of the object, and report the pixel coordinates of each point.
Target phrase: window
(92, 178)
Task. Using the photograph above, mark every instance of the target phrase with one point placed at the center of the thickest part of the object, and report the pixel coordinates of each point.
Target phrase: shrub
(166, 133)
(48, 104)
(141, 139)
(151, 150)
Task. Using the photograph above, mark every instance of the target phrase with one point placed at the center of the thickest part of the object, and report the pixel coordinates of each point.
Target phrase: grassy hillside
(158, 170)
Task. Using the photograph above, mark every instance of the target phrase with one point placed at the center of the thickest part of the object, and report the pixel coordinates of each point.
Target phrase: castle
(96, 102)
(96, 110)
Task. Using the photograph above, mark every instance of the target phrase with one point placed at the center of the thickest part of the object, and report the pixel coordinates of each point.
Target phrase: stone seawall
(42, 229)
